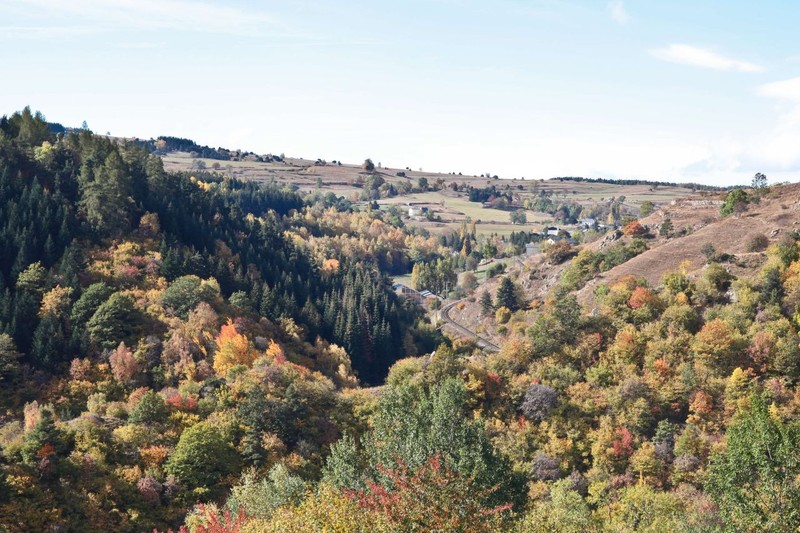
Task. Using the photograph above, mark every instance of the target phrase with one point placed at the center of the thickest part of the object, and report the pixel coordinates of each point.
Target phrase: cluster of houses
(423, 298)
(554, 234)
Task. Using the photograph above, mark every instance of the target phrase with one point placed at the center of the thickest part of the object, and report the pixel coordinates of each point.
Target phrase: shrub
(757, 243)
(502, 315)
(558, 252)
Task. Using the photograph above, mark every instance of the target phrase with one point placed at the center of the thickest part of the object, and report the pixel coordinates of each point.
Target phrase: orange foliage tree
(634, 228)
(233, 349)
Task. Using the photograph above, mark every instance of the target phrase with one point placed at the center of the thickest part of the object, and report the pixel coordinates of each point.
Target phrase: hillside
(190, 349)
(451, 207)
(777, 215)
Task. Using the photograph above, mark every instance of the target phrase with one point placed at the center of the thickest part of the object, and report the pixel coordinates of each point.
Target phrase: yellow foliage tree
(56, 302)
(233, 349)
(275, 351)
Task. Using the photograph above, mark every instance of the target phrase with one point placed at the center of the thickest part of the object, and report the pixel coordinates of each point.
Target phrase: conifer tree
(486, 304)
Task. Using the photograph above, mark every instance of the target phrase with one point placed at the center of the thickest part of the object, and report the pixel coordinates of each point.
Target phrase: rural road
(483, 343)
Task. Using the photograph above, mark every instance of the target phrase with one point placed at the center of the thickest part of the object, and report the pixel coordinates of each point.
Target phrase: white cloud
(779, 146)
(685, 54)
(44, 32)
(772, 150)
(782, 90)
(618, 13)
(156, 14)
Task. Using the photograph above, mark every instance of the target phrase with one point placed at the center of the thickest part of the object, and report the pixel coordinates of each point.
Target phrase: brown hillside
(778, 213)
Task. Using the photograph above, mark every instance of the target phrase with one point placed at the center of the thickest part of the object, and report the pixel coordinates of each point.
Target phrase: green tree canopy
(755, 480)
(735, 202)
(185, 293)
(508, 295)
(150, 409)
(202, 458)
(114, 321)
(412, 426)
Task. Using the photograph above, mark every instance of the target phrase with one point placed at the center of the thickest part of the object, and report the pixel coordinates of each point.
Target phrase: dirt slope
(776, 215)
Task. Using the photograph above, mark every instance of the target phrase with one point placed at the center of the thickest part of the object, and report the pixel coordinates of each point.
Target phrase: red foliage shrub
(622, 443)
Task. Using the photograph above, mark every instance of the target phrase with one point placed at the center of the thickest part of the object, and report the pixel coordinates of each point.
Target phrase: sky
(689, 91)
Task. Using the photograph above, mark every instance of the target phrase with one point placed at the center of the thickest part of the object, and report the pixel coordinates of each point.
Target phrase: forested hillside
(117, 278)
(188, 350)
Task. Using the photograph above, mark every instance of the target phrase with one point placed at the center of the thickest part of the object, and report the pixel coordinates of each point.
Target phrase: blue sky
(679, 90)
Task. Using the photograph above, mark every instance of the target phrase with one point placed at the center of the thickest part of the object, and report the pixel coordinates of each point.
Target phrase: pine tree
(486, 304)
(507, 295)
(105, 195)
(44, 440)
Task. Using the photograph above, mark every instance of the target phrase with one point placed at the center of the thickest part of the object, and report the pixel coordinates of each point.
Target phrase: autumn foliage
(233, 349)
(430, 498)
(634, 228)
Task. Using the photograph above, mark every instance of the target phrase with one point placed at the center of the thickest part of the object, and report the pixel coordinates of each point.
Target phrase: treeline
(693, 186)
(166, 144)
(487, 194)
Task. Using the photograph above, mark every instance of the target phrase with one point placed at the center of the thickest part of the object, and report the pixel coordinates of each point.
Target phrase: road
(483, 343)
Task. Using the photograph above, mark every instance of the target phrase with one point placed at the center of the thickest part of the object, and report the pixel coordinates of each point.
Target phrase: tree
(202, 458)
(539, 402)
(666, 228)
(646, 208)
(9, 360)
(759, 181)
(422, 183)
(259, 499)
(487, 307)
(735, 202)
(114, 321)
(33, 279)
(105, 193)
(564, 511)
(124, 366)
(150, 409)
(233, 349)
(754, 481)
(186, 292)
(558, 252)
(432, 497)
(86, 306)
(326, 509)
(502, 315)
(44, 441)
(508, 294)
(368, 165)
(31, 128)
(412, 426)
(56, 302)
(634, 228)
(709, 251)
(518, 217)
(469, 281)
(757, 242)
